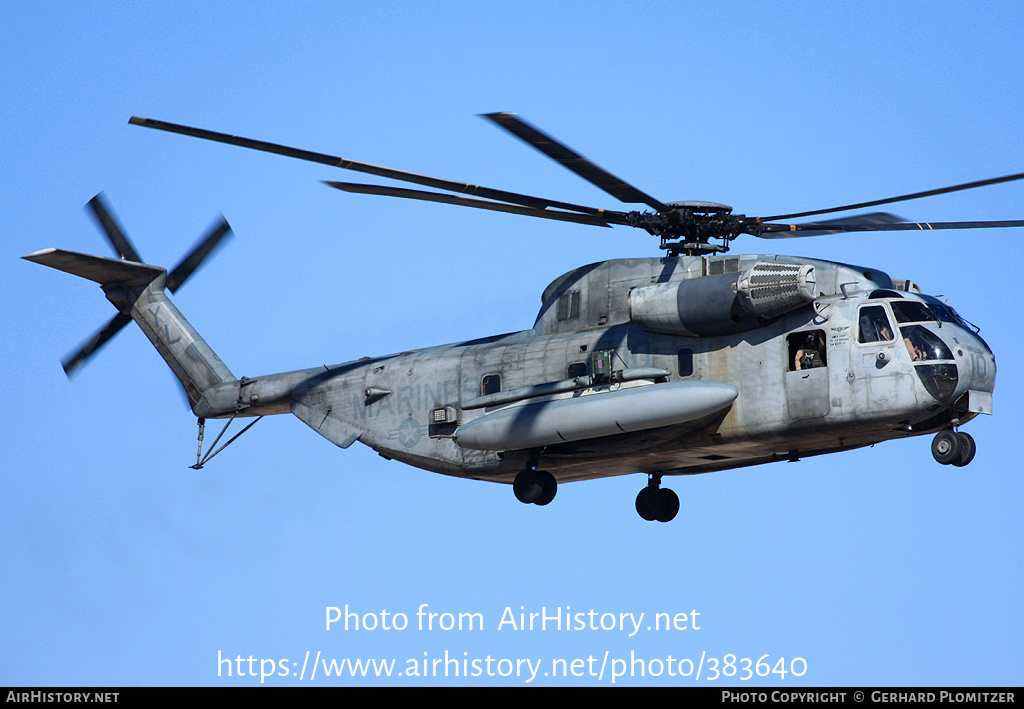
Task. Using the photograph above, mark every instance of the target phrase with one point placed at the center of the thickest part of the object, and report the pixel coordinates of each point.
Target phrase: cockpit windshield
(927, 351)
(908, 311)
(924, 345)
(945, 313)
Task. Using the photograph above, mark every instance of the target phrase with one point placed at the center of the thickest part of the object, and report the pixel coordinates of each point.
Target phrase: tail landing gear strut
(655, 502)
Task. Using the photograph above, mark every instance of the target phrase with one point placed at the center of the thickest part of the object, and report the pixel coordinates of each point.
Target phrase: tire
(549, 485)
(968, 450)
(947, 447)
(528, 486)
(671, 505)
(650, 503)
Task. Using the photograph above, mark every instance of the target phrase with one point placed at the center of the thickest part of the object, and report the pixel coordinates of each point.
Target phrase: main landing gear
(655, 502)
(536, 486)
(953, 448)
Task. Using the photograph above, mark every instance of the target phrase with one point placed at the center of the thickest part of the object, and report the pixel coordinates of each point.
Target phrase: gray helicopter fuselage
(887, 363)
(666, 366)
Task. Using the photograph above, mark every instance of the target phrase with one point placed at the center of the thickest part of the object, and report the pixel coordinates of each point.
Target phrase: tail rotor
(123, 248)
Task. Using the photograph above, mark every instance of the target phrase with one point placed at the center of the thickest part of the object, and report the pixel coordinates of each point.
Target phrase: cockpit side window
(874, 325)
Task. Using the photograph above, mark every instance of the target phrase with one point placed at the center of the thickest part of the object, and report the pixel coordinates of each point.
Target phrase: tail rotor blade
(203, 249)
(112, 228)
(108, 223)
(93, 345)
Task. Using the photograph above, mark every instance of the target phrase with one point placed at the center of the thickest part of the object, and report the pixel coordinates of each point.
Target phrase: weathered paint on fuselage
(857, 398)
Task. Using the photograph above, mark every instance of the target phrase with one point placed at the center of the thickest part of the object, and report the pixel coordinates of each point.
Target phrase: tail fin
(137, 290)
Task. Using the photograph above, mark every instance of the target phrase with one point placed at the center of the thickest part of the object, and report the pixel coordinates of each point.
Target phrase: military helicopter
(692, 362)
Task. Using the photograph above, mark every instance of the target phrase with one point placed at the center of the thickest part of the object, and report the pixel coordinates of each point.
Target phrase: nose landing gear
(655, 502)
(953, 448)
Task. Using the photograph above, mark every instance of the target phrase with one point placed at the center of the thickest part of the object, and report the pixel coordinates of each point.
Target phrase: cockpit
(919, 321)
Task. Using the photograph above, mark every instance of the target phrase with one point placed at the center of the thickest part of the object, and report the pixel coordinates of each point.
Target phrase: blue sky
(121, 566)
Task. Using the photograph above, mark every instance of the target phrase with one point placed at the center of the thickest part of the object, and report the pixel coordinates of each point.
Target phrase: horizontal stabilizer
(105, 271)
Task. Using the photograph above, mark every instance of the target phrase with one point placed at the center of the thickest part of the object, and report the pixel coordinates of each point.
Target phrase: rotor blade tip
(137, 120)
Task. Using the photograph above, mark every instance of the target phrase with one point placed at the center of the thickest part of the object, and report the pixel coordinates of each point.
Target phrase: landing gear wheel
(671, 505)
(654, 503)
(947, 447)
(536, 486)
(650, 503)
(550, 488)
(967, 451)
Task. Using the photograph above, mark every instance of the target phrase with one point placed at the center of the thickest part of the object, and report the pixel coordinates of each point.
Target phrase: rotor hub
(688, 227)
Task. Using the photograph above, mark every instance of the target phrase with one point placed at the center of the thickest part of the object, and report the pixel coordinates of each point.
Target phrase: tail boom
(137, 290)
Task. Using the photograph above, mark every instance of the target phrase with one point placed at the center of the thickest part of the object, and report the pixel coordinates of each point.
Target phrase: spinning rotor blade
(783, 231)
(621, 190)
(92, 346)
(601, 219)
(195, 258)
(112, 228)
(188, 265)
(683, 227)
(902, 198)
(334, 161)
(863, 222)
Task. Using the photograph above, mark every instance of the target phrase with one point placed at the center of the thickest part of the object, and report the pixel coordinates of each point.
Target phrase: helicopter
(694, 361)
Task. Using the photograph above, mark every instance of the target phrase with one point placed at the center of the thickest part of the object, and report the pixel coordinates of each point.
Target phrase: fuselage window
(491, 384)
(577, 370)
(807, 350)
(685, 362)
(874, 325)
(569, 305)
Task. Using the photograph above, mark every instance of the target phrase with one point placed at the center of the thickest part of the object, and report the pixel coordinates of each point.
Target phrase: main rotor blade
(601, 219)
(902, 198)
(203, 249)
(834, 226)
(72, 363)
(572, 160)
(112, 228)
(783, 231)
(379, 171)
